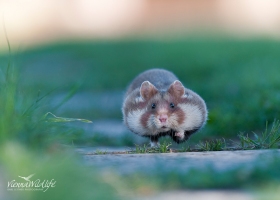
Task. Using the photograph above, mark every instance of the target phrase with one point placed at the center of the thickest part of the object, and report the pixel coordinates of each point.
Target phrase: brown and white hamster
(157, 104)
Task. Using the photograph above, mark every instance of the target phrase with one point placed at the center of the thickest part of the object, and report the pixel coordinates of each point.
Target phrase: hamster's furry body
(156, 104)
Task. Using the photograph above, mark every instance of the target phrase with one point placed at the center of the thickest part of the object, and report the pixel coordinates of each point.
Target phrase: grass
(99, 152)
(212, 145)
(162, 148)
(144, 149)
(267, 140)
(28, 121)
(54, 118)
(31, 139)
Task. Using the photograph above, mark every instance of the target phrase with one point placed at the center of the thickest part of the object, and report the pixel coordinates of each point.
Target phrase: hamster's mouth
(164, 127)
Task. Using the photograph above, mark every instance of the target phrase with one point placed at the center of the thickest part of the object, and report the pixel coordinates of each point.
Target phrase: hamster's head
(148, 111)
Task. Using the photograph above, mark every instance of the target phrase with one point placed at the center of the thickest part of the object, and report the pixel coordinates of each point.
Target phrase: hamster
(157, 104)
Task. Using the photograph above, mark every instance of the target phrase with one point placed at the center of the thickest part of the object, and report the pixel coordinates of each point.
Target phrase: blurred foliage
(30, 143)
(72, 179)
(23, 119)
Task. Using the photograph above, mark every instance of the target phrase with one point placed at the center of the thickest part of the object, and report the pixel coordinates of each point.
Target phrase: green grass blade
(63, 119)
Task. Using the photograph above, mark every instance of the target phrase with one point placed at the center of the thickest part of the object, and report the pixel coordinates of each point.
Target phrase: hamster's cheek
(152, 123)
(134, 122)
(173, 121)
(193, 116)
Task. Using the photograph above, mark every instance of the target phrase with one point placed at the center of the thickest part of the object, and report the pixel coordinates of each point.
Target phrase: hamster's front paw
(180, 135)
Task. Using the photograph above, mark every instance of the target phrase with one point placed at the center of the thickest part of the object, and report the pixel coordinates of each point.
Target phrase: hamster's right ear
(147, 90)
(177, 89)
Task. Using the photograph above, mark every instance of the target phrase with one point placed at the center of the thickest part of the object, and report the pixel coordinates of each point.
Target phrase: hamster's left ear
(177, 89)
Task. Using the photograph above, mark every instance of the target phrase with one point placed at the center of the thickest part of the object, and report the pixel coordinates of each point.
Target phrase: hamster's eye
(172, 105)
(153, 106)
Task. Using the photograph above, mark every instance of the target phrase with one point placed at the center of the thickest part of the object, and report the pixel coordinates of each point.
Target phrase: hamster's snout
(162, 118)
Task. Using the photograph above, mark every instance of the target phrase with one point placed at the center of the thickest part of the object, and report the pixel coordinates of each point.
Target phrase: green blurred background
(238, 79)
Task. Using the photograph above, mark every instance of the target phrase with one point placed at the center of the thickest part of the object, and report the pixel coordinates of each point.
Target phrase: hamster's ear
(147, 90)
(177, 89)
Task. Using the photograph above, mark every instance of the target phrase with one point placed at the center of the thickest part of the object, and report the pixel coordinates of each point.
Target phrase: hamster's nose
(162, 118)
